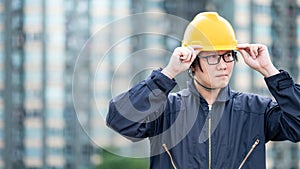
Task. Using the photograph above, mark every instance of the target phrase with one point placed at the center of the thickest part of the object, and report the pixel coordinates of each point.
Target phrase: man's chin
(220, 86)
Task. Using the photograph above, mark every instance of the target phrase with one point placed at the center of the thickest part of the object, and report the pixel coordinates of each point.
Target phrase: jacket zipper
(209, 142)
(209, 136)
(169, 154)
(249, 153)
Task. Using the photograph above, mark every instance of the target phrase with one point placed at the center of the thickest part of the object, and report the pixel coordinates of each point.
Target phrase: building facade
(62, 61)
(275, 24)
(39, 125)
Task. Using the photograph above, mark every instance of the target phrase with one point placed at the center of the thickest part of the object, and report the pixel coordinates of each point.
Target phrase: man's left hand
(257, 57)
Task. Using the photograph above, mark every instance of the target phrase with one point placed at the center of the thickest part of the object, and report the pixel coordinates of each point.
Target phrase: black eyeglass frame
(234, 56)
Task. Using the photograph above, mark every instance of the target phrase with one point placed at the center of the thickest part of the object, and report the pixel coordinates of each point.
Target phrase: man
(208, 125)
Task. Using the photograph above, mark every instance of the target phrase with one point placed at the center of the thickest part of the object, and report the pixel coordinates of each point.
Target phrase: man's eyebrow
(216, 53)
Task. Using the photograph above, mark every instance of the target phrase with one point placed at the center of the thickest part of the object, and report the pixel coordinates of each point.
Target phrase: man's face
(218, 74)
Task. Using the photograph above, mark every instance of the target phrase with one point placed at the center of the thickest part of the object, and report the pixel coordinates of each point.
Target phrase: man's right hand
(181, 60)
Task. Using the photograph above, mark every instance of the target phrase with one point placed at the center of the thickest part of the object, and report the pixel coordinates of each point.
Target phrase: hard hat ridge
(211, 31)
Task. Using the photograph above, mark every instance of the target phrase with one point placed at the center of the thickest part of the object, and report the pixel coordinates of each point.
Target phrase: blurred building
(41, 40)
(39, 44)
(273, 23)
(12, 99)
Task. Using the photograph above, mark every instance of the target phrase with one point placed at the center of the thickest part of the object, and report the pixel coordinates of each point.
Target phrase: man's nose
(222, 65)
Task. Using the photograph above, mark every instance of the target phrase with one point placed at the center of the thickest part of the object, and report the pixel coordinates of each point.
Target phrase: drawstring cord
(249, 153)
(168, 152)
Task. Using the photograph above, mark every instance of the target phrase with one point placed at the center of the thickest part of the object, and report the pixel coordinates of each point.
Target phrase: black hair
(196, 63)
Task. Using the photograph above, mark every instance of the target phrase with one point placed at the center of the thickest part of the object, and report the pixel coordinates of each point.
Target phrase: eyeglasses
(215, 59)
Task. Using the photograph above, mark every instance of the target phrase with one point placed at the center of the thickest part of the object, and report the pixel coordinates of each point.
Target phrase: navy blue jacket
(230, 134)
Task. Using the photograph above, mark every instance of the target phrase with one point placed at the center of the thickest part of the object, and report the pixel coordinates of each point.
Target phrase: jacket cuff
(158, 80)
(280, 81)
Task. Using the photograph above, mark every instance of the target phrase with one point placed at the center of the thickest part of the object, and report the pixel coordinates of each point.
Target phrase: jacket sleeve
(135, 112)
(282, 120)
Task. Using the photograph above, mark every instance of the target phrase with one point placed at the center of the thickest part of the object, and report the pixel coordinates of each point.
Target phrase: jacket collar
(223, 96)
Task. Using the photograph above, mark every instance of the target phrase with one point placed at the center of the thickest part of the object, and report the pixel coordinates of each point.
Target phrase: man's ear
(192, 68)
(191, 71)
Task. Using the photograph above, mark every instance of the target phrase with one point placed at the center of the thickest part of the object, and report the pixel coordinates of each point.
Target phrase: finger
(196, 47)
(180, 53)
(195, 54)
(245, 55)
(252, 52)
(255, 50)
(196, 50)
(191, 54)
(261, 48)
(249, 49)
(186, 54)
(190, 48)
(182, 57)
(243, 46)
(243, 52)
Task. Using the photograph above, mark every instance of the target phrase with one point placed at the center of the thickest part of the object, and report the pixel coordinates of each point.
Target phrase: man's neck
(209, 95)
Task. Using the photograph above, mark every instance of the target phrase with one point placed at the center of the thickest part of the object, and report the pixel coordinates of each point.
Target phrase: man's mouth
(222, 75)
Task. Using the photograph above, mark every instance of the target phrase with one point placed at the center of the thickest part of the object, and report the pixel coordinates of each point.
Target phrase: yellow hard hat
(210, 31)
